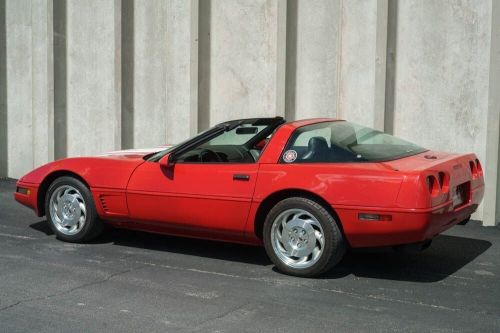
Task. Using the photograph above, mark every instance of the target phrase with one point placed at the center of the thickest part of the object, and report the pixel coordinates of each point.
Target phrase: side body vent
(103, 203)
(113, 204)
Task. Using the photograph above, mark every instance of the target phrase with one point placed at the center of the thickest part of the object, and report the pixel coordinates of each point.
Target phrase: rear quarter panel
(339, 184)
(342, 185)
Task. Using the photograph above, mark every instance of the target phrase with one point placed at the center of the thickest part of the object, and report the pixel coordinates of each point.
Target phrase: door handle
(241, 177)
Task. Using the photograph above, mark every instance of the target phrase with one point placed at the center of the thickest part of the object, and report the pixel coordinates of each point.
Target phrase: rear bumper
(26, 194)
(406, 226)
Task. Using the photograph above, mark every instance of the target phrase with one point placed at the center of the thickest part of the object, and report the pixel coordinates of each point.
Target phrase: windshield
(342, 141)
(157, 156)
(234, 141)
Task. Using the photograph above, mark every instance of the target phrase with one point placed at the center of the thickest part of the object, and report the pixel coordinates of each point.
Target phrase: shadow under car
(444, 257)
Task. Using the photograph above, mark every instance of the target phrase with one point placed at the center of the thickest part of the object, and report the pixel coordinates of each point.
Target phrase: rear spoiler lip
(426, 163)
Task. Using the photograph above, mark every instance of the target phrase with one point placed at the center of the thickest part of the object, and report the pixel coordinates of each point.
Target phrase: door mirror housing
(167, 161)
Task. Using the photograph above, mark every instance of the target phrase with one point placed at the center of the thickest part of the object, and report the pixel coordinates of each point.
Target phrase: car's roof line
(294, 123)
(310, 121)
(265, 120)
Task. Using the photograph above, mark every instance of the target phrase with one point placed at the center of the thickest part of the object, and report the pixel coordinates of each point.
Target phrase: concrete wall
(313, 57)
(363, 61)
(84, 77)
(29, 72)
(247, 63)
(93, 76)
(443, 79)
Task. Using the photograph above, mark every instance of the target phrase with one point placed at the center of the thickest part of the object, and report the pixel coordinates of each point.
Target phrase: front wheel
(302, 238)
(71, 212)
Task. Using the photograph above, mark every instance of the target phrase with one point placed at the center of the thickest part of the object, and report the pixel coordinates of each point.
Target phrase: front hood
(134, 153)
(110, 170)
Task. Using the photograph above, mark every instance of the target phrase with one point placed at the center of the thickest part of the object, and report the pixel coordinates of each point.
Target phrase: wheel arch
(271, 200)
(47, 181)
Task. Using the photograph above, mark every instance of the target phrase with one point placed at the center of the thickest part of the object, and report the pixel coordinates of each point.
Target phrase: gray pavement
(132, 282)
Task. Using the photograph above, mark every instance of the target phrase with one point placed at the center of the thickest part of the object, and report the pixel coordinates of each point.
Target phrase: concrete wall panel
(182, 70)
(247, 59)
(30, 85)
(19, 87)
(150, 74)
(313, 40)
(362, 62)
(442, 84)
(43, 82)
(93, 77)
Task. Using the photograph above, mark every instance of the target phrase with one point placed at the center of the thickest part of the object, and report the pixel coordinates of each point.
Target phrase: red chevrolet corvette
(307, 190)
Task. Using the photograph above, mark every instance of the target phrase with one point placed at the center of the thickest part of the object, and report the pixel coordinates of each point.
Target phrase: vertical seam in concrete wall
(118, 72)
(390, 68)
(495, 48)
(50, 79)
(292, 10)
(32, 90)
(3, 90)
(166, 91)
(194, 63)
(127, 73)
(380, 64)
(281, 57)
(492, 163)
(338, 111)
(497, 209)
(59, 15)
(204, 63)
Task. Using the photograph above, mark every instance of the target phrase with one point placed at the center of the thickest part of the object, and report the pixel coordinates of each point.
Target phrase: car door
(209, 200)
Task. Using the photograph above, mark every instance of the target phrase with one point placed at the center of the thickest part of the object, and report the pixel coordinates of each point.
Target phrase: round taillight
(444, 181)
(473, 169)
(479, 168)
(433, 185)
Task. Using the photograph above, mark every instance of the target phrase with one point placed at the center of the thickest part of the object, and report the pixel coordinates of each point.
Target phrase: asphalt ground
(136, 282)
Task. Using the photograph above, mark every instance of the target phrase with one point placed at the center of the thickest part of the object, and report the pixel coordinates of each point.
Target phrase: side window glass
(304, 138)
(319, 143)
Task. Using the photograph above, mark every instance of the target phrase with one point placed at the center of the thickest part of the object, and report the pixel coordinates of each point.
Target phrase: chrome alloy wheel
(68, 211)
(297, 238)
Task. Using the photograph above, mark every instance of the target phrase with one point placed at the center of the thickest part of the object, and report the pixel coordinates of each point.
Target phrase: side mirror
(167, 161)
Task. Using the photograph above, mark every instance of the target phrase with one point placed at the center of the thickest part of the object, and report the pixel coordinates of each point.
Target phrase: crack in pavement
(65, 292)
(387, 299)
(17, 236)
(219, 316)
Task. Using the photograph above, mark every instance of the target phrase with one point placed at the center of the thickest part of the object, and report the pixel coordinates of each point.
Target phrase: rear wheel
(302, 238)
(71, 212)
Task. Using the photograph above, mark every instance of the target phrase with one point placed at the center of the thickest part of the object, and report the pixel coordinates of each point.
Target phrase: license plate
(460, 195)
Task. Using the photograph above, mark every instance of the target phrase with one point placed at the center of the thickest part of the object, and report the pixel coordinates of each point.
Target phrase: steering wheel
(207, 155)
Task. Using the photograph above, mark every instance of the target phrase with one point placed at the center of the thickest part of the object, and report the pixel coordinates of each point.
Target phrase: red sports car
(307, 190)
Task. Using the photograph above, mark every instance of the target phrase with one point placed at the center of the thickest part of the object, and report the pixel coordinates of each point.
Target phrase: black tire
(92, 227)
(334, 245)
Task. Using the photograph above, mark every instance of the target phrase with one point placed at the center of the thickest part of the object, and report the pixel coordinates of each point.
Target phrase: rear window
(342, 141)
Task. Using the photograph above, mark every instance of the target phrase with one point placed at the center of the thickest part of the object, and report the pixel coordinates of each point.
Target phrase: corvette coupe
(307, 190)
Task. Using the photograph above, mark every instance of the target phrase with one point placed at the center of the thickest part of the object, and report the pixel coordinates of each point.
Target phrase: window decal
(289, 156)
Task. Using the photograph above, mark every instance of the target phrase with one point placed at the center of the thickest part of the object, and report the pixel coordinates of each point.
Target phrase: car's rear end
(438, 191)
(447, 187)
